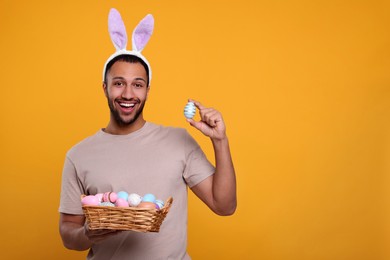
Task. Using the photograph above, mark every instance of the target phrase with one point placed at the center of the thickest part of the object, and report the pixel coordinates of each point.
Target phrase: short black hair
(127, 58)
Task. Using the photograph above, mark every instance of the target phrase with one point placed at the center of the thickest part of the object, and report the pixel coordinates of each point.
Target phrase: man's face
(126, 91)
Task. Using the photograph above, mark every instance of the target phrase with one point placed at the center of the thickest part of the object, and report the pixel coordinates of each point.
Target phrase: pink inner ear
(117, 29)
(143, 32)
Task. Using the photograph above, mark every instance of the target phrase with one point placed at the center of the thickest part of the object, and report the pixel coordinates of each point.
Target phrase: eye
(118, 84)
(138, 85)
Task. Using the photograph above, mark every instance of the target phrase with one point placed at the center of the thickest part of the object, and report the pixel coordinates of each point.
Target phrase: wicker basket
(129, 218)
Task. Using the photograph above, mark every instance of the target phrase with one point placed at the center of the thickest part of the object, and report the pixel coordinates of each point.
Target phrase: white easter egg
(134, 199)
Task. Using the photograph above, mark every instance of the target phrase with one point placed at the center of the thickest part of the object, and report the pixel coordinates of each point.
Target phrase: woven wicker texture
(129, 218)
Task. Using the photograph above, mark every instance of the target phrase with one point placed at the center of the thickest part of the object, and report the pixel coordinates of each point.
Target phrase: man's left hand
(211, 122)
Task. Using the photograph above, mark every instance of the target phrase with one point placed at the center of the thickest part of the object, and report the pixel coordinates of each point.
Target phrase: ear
(147, 92)
(117, 30)
(105, 89)
(142, 33)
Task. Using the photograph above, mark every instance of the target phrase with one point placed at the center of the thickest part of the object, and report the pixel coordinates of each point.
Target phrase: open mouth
(126, 107)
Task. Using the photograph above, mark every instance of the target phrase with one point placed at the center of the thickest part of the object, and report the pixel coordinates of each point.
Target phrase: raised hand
(211, 122)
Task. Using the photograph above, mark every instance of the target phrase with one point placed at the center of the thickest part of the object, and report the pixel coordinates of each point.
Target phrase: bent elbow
(68, 245)
(72, 246)
(228, 211)
(71, 242)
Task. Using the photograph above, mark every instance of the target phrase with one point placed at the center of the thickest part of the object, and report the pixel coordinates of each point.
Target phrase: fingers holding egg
(211, 117)
(208, 115)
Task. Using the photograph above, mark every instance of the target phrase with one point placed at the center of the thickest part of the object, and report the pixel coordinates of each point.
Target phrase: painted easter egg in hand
(189, 110)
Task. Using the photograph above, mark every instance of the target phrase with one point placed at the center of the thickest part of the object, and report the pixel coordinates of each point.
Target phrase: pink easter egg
(120, 202)
(90, 200)
(99, 196)
(110, 197)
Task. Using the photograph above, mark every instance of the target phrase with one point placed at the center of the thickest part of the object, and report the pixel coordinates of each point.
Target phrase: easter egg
(123, 194)
(134, 199)
(159, 203)
(121, 203)
(90, 200)
(110, 197)
(99, 196)
(148, 198)
(147, 205)
(107, 204)
(189, 110)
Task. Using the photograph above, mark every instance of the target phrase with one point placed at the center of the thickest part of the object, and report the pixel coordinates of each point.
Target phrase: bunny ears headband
(141, 35)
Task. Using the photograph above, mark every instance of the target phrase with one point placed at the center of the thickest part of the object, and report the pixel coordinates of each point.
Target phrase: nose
(127, 92)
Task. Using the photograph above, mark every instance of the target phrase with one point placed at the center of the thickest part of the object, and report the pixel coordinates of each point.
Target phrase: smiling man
(133, 155)
(126, 88)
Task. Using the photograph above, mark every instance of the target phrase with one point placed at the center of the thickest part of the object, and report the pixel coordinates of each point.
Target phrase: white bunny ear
(142, 33)
(117, 30)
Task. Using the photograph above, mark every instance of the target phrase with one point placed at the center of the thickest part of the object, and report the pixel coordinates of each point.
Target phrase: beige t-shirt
(155, 159)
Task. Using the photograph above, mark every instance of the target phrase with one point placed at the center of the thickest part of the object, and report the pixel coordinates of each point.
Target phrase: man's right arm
(72, 232)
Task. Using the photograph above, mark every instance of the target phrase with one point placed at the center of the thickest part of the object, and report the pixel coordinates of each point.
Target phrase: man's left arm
(218, 191)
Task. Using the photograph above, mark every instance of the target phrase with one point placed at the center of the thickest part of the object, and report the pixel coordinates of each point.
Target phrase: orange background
(304, 87)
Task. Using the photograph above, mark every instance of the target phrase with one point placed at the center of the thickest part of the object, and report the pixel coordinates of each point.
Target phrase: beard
(117, 117)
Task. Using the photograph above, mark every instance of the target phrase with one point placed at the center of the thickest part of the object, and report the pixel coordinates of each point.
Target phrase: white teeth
(126, 105)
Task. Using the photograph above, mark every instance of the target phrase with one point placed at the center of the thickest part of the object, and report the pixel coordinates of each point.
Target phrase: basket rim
(167, 204)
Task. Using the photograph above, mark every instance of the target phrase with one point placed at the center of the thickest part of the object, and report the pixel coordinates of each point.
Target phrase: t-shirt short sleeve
(198, 166)
(71, 190)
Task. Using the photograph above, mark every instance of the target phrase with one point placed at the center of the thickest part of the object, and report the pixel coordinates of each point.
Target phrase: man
(137, 156)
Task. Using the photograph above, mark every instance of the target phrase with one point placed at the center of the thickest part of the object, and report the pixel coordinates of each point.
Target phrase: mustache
(128, 100)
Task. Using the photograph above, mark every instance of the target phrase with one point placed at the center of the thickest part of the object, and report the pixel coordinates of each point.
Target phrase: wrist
(218, 142)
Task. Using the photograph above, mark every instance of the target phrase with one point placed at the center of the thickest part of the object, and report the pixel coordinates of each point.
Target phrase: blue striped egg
(189, 110)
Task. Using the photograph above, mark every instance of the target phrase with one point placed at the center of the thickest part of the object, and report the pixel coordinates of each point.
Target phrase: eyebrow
(122, 78)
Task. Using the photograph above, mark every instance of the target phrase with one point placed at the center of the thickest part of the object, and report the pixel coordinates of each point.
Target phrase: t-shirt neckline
(138, 132)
